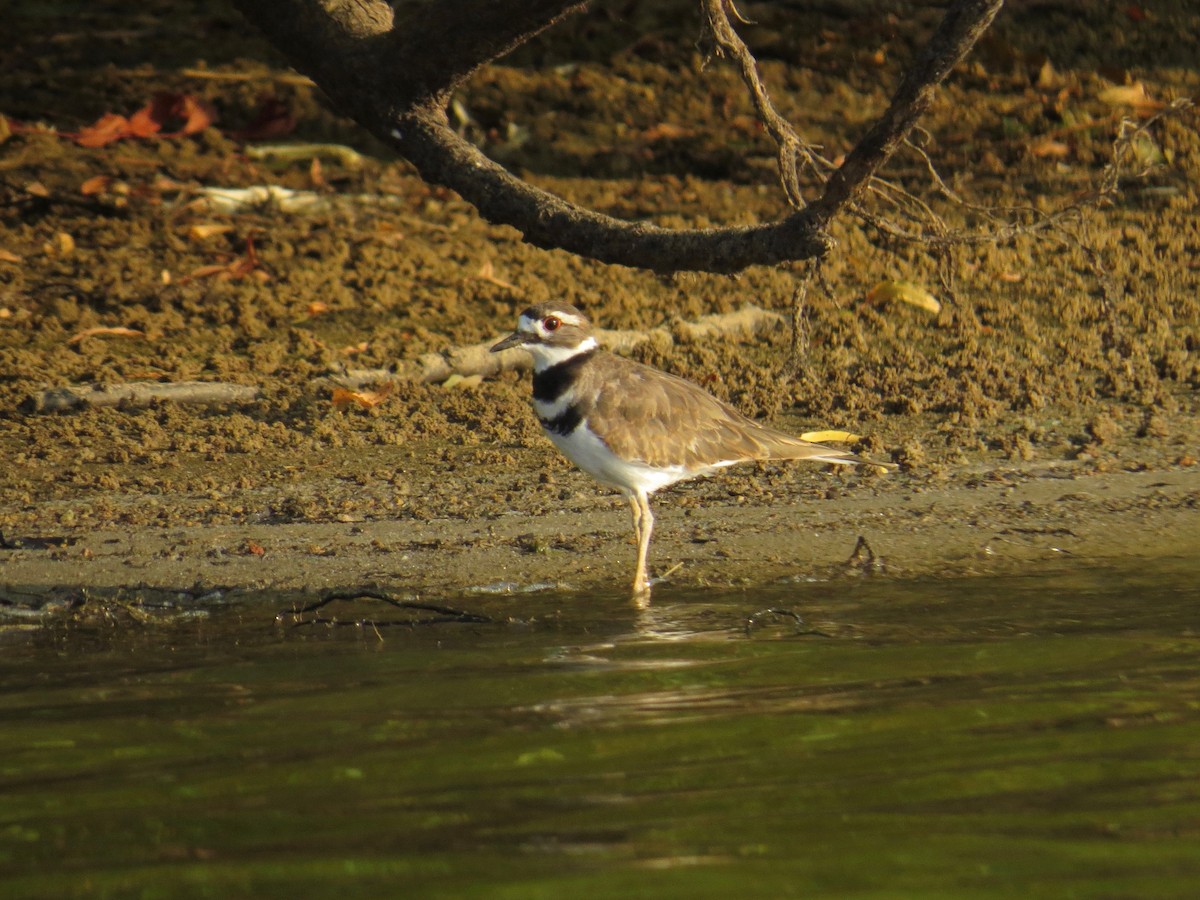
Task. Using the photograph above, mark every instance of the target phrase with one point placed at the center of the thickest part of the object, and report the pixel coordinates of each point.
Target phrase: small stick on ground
(137, 393)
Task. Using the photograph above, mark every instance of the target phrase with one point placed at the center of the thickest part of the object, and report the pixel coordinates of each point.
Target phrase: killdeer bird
(636, 428)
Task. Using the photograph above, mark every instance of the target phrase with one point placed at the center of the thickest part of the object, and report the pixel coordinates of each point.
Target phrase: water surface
(1035, 736)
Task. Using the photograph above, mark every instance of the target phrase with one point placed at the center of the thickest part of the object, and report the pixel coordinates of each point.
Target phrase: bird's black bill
(516, 339)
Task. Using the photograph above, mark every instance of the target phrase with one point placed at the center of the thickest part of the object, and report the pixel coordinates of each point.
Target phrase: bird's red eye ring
(551, 323)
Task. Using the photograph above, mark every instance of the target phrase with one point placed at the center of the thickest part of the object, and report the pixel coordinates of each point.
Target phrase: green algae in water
(1036, 736)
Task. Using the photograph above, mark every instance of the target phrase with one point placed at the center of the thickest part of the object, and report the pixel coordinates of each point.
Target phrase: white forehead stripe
(534, 325)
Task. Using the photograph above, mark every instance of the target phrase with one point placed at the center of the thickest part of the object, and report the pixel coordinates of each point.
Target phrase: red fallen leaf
(166, 108)
(273, 119)
(149, 121)
(366, 399)
(108, 128)
(97, 184)
(1135, 13)
(255, 549)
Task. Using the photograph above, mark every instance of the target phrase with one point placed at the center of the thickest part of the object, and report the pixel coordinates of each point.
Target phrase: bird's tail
(784, 446)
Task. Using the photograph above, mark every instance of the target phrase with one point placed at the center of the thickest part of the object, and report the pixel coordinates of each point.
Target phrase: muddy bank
(1063, 364)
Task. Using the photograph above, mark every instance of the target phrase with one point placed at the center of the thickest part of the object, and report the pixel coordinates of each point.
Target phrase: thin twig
(789, 145)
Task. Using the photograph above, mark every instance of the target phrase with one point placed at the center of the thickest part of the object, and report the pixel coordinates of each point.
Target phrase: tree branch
(789, 146)
(395, 78)
(964, 22)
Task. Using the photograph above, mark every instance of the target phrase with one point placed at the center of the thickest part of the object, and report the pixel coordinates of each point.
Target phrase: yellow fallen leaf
(905, 292)
(463, 381)
(62, 245)
(1124, 95)
(116, 331)
(201, 231)
(821, 437)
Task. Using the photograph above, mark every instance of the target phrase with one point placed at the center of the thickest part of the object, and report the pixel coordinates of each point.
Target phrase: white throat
(546, 356)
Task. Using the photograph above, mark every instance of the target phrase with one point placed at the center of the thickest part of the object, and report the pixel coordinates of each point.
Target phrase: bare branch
(442, 157)
(965, 21)
(395, 76)
(789, 145)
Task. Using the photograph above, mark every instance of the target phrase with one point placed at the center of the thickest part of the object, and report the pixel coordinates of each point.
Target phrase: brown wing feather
(662, 420)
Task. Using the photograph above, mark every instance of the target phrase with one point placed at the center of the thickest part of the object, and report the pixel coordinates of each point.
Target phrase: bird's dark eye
(551, 323)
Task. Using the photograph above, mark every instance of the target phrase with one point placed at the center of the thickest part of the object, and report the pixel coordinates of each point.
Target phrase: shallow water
(1034, 736)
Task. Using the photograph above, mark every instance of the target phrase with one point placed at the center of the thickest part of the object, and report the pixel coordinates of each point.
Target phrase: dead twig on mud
(137, 393)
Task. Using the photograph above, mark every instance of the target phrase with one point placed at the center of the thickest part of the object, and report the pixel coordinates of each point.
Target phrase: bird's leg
(643, 525)
(636, 511)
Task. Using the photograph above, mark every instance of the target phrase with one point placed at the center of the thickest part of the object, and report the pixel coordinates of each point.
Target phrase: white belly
(593, 456)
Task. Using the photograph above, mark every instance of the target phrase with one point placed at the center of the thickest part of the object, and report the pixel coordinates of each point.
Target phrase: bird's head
(552, 333)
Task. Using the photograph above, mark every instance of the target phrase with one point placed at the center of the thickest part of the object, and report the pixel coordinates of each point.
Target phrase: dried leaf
(1131, 95)
(317, 307)
(62, 245)
(167, 108)
(1048, 148)
(463, 381)
(202, 231)
(906, 292)
(192, 115)
(366, 399)
(254, 548)
(8, 257)
(115, 331)
(108, 128)
(37, 189)
(1047, 79)
(1127, 94)
(273, 119)
(352, 349)
(665, 131)
(821, 437)
(97, 184)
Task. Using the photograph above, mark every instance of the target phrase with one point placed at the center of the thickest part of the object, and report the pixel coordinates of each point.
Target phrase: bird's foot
(641, 593)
